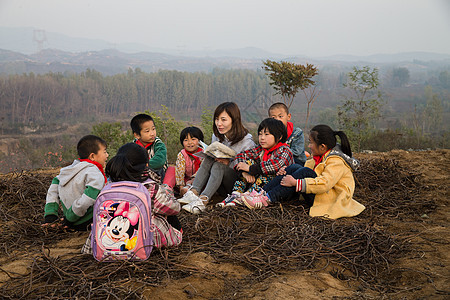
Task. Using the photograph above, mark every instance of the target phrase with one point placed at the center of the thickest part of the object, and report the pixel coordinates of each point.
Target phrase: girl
(131, 164)
(260, 164)
(187, 163)
(219, 172)
(326, 181)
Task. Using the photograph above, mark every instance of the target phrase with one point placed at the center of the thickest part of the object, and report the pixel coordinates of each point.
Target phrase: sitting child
(144, 132)
(260, 164)
(326, 181)
(295, 139)
(77, 186)
(187, 163)
(131, 164)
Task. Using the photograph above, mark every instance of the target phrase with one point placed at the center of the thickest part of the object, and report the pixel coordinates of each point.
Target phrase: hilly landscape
(55, 88)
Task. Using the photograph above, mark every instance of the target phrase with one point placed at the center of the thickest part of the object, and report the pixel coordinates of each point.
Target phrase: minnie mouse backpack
(122, 228)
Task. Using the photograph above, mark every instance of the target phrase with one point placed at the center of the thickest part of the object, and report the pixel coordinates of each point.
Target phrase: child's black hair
(279, 105)
(136, 122)
(130, 163)
(323, 134)
(275, 127)
(193, 132)
(89, 144)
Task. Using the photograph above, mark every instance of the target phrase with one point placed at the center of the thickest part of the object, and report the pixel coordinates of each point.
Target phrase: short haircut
(138, 120)
(279, 105)
(193, 132)
(89, 144)
(275, 127)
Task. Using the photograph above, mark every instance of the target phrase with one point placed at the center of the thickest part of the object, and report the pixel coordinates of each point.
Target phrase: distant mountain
(11, 56)
(112, 61)
(22, 40)
(388, 58)
(18, 54)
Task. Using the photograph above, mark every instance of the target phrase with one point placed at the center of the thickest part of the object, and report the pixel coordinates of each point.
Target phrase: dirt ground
(420, 274)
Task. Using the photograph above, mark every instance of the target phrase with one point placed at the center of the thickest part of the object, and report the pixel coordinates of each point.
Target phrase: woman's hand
(288, 180)
(242, 166)
(249, 178)
(224, 161)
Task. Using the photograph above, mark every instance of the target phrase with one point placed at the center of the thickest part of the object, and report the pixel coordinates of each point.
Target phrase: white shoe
(188, 198)
(195, 207)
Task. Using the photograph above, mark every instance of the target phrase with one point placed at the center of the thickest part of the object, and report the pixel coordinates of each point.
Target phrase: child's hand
(282, 171)
(288, 180)
(242, 166)
(249, 178)
(50, 220)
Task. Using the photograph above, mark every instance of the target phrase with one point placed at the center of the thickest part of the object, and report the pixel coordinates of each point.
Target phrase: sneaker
(196, 206)
(232, 200)
(255, 200)
(188, 198)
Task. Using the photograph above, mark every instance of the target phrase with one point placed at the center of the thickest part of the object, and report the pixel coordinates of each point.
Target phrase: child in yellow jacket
(326, 181)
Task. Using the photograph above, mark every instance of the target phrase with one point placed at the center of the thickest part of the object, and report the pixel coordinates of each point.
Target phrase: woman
(219, 173)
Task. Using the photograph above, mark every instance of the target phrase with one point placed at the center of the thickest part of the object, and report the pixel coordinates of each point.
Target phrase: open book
(217, 150)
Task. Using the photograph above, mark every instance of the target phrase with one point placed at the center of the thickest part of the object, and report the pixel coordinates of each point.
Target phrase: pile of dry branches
(390, 190)
(267, 242)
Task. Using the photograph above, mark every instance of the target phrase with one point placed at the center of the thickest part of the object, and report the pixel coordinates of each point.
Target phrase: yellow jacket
(333, 187)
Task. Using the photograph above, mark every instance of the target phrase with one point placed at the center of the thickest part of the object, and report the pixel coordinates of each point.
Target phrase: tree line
(36, 99)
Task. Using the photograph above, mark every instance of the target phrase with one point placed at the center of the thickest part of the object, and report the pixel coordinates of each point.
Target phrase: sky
(293, 27)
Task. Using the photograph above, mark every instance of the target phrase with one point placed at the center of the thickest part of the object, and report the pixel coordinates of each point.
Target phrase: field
(396, 249)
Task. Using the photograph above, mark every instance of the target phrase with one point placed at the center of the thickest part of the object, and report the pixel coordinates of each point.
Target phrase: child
(295, 138)
(266, 159)
(131, 164)
(219, 173)
(77, 186)
(187, 163)
(144, 132)
(326, 180)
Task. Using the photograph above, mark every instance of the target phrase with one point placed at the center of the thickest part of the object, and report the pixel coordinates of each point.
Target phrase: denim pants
(278, 193)
(213, 175)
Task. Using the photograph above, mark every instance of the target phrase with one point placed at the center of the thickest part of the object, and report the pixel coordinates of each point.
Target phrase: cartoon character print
(118, 233)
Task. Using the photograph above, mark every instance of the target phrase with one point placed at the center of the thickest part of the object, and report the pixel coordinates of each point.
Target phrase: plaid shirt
(164, 204)
(278, 158)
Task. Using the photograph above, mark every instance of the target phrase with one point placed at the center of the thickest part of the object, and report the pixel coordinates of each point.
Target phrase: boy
(78, 185)
(144, 132)
(295, 140)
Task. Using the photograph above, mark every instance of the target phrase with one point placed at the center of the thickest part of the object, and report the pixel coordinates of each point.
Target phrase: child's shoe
(255, 200)
(196, 206)
(233, 199)
(188, 197)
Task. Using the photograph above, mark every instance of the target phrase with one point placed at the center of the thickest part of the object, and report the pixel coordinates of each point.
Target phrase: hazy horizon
(312, 28)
